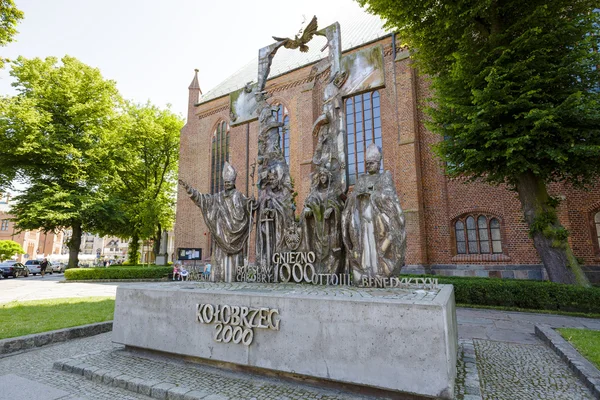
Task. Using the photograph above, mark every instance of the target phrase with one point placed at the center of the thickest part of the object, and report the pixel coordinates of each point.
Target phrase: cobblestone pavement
(228, 385)
(486, 370)
(37, 365)
(511, 371)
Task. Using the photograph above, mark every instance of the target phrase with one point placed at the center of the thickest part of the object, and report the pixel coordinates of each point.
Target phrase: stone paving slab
(14, 387)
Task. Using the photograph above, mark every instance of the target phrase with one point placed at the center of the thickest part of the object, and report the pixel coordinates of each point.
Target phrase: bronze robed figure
(373, 223)
(321, 222)
(227, 216)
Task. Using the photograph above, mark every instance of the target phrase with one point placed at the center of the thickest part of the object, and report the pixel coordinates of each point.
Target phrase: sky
(151, 47)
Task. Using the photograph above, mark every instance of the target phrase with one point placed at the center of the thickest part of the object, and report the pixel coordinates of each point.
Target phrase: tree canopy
(10, 16)
(92, 162)
(515, 96)
(146, 150)
(9, 248)
(54, 132)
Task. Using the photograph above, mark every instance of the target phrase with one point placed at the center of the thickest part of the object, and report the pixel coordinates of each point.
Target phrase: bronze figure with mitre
(227, 216)
(373, 223)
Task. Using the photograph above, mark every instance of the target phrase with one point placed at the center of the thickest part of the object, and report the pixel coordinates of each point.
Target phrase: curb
(151, 388)
(12, 345)
(583, 369)
(472, 386)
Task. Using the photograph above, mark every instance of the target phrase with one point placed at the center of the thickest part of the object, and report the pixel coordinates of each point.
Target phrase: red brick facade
(431, 202)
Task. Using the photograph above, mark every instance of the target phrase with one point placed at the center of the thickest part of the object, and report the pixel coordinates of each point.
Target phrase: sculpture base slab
(397, 340)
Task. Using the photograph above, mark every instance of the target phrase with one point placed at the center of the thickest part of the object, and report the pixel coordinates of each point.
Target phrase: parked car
(34, 267)
(14, 269)
(58, 267)
(11, 262)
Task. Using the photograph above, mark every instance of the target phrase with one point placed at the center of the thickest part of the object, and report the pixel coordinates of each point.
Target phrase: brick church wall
(430, 201)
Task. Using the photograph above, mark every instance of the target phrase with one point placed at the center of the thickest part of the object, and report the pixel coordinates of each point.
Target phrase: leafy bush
(534, 295)
(132, 272)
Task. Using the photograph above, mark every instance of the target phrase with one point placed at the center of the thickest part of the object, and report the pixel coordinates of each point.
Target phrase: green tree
(9, 248)
(54, 137)
(10, 15)
(515, 94)
(146, 150)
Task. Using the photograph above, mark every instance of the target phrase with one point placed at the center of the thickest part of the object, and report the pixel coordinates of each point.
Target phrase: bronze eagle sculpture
(300, 40)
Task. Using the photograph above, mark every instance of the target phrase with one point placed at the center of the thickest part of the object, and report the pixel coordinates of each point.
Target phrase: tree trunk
(133, 254)
(549, 236)
(157, 240)
(74, 245)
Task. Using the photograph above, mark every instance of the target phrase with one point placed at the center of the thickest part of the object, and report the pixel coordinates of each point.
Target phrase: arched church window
(477, 234)
(363, 127)
(218, 155)
(282, 115)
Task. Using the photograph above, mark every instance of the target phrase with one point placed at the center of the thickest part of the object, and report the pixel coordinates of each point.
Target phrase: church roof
(357, 29)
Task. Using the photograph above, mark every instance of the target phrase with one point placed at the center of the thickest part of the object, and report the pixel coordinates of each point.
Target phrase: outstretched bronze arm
(188, 188)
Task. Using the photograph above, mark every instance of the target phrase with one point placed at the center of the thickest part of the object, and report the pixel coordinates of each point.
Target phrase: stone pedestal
(396, 340)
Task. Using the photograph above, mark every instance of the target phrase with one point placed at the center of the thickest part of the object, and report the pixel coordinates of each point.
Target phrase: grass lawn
(27, 317)
(586, 341)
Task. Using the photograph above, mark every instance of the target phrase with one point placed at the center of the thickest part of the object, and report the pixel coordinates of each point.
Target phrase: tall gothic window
(219, 154)
(282, 115)
(363, 126)
(478, 234)
(4, 226)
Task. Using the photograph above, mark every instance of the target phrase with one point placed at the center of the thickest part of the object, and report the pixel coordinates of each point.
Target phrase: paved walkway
(512, 327)
(500, 358)
(508, 361)
(50, 287)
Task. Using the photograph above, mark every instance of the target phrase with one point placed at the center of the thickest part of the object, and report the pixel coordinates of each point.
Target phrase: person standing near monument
(373, 223)
(227, 216)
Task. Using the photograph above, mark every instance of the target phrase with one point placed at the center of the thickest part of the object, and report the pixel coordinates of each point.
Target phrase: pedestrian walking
(43, 266)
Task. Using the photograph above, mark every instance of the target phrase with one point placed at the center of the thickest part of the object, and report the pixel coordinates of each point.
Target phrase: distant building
(113, 248)
(29, 240)
(50, 243)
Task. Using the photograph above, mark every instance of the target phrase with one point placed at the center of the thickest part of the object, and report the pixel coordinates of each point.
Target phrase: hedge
(117, 273)
(533, 295)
